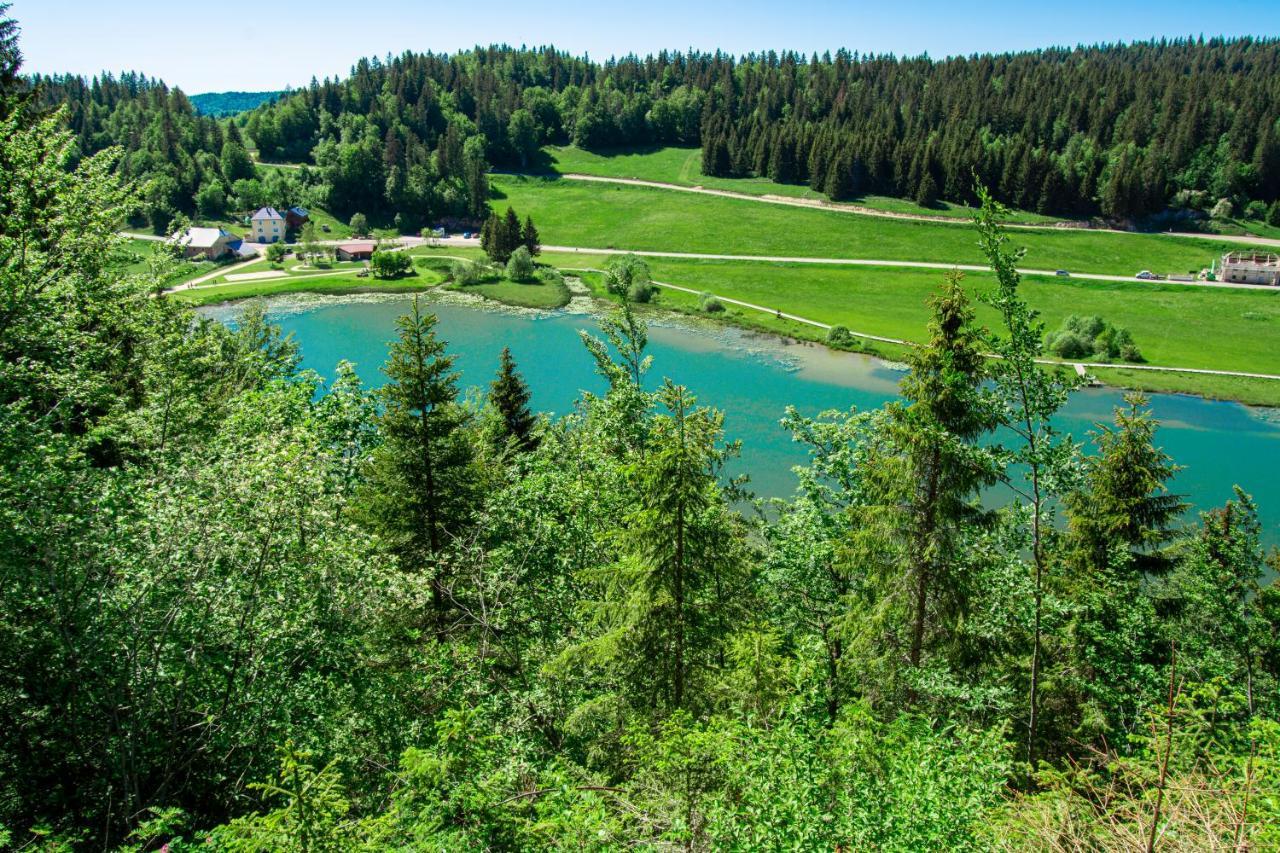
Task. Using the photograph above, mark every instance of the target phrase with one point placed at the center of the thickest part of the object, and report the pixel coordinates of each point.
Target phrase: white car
(1147, 275)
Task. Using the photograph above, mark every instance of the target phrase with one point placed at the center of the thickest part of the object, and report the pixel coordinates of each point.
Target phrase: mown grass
(531, 294)
(1232, 329)
(612, 215)
(327, 284)
(1254, 392)
(683, 166)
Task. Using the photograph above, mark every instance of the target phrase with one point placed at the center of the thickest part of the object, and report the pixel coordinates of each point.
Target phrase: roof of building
(267, 213)
(1251, 259)
(299, 211)
(199, 238)
(359, 246)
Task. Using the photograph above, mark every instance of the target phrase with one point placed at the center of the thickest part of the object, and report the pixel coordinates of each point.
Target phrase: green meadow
(683, 166)
(596, 215)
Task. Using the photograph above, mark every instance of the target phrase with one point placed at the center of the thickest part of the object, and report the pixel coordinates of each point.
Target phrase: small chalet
(358, 251)
(296, 217)
(211, 243)
(266, 226)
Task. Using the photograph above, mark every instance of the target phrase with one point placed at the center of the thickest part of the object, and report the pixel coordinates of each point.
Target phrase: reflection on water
(752, 378)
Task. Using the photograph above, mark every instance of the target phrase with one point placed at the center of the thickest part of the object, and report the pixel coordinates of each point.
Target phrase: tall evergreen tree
(947, 412)
(510, 398)
(529, 237)
(420, 490)
(678, 581)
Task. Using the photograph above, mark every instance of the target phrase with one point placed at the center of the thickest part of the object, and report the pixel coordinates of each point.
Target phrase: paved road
(410, 242)
(868, 262)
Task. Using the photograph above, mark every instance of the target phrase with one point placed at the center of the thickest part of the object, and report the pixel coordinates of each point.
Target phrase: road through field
(869, 262)
(860, 210)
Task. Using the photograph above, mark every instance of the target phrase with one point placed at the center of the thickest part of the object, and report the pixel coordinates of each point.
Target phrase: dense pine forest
(244, 609)
(1144, 133)
(1124, 131)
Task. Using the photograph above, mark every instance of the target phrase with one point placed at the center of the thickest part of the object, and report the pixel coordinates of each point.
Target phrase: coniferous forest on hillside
(242, 609)
(1127, 132)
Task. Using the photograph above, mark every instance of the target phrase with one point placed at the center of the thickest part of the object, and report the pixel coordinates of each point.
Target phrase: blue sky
(213, 46)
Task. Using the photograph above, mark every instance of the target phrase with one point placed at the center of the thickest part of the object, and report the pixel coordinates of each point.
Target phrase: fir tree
(419, 494)
(508, 235)
(947, 412)
(509, 396)
(529, 237)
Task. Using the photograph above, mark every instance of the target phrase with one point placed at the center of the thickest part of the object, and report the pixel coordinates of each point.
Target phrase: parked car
(1147, 275)
(325, 228)
(1062, 272)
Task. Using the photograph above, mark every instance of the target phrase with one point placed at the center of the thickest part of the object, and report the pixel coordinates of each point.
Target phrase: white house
(266, 226)
(211, 243)
(1251, 268)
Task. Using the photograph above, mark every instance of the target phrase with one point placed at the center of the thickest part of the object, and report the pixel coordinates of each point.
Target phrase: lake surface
(752, 379)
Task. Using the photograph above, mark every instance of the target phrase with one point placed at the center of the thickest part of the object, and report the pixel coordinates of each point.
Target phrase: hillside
(222, 104)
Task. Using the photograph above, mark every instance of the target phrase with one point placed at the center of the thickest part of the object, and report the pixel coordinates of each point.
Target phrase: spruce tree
(1118, 521)
(529, 237)
(678, 581)
(937, 432)
(488, 236)
(509, 396)
(419, 492)
(508, 235)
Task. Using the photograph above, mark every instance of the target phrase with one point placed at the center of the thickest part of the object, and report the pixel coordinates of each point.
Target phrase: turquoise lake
(752, 379)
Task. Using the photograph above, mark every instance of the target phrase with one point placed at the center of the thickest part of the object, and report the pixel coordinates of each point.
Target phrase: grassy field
(683, 166)
(1234, 329)
(604, 216)
(328, 284)
(534, 294)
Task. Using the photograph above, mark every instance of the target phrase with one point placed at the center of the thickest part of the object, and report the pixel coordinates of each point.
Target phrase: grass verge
(332, 285)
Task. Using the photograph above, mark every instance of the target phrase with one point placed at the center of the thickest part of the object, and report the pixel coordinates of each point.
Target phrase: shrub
(711, 305)
(360, 225)
(466, 272)
(1255, 210)
(839, 336)
(1273, 214)
(1224, 209)
(386, 264)
(1089, 336)
(276, 253)
(520, 265)
(622, 275)
(640, 291)
(1069, 344)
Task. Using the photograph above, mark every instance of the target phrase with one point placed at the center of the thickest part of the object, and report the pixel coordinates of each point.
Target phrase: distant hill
(219, 104)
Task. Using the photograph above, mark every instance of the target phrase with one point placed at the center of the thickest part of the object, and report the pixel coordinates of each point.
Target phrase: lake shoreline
(794, 352)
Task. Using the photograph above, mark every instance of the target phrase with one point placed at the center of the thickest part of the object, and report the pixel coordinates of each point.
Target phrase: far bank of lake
(752, 379)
